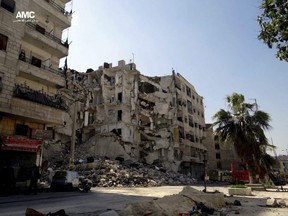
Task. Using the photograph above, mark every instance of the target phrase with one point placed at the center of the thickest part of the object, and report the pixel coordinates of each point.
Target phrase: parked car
(65, 180)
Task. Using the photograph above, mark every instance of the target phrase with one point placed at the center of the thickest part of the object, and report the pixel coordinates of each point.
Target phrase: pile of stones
(112, 173)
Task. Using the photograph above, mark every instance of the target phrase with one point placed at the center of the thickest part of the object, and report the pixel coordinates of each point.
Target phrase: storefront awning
(19, 143)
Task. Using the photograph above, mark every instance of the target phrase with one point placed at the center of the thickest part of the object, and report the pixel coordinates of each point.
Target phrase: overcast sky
(213, 44)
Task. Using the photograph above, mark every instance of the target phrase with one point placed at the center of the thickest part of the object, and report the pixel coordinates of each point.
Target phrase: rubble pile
(107, 172)
(188, 202)
(112, 173)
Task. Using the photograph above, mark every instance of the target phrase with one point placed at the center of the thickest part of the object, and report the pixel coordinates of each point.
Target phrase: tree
(274, 26)
(243, 125)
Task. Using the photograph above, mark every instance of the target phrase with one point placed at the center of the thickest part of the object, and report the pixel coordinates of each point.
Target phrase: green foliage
(238, 186)
(243, 126)
(274, 26)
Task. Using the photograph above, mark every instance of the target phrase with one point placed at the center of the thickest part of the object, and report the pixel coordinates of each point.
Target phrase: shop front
(18, 154)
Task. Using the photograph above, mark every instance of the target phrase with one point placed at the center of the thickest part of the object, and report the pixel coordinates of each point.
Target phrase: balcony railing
(58, 7)
(24, 92)
(37, 63)
(42, 30)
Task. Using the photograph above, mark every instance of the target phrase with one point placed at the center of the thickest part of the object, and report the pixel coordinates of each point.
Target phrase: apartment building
(31, 106)
(220, 155)
(156, 120)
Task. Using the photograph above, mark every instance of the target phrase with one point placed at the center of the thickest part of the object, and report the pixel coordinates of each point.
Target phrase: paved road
(79, 203)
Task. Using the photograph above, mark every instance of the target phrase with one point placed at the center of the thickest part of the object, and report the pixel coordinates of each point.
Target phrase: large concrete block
(240, 191)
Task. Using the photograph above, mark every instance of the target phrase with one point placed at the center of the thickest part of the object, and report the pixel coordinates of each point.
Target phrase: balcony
(24, 92)
(35, 70)
(41, 38)
(56, 13)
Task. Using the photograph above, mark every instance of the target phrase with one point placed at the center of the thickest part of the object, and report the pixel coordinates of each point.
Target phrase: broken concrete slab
(240, 191)
(109, 213)
(175, 204)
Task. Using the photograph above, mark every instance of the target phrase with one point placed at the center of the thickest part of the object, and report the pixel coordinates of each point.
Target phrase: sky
(213, 44)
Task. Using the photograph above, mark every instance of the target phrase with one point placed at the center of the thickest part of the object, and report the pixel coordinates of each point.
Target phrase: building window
(3, 42)
(219, 165)
(1, 84)
(119, 131)
(188, 91)
(189, 107)
(9, 5)
(218, 156)
(22, 130)
(185, 119)
(191, 124)
(217, 146)
(119, 115)
(40, 29)
(36, 62)
(120, 97)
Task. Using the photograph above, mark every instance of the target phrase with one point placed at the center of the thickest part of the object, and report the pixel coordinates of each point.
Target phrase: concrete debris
(112, 173)
(276, 203)
(33, 212)
(109, 213)
(237, 203)
(188, 202)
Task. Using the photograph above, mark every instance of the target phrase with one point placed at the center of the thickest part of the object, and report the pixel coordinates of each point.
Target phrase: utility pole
(205, 164)
(72, 147)
(255, 103)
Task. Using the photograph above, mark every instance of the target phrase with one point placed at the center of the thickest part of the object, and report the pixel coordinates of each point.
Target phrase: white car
(65, 180)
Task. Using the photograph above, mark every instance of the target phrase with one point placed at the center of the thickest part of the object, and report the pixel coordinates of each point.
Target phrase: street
(101, 199)
(79, 203)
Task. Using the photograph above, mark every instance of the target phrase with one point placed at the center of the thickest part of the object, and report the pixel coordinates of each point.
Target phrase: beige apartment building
(31, 106)
(156, 120)
(219, 155)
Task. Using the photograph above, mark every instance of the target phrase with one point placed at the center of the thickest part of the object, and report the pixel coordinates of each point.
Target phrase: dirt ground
(254, 205)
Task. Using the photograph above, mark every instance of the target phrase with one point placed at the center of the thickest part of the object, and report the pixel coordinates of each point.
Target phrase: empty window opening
(9, 5)
(119, 115)
(3, 42)
(40, 29)
(189, 107)
(191, 122)
(120, 97)
(188, 91)
(36, 62)
(145, 87)
(219, 165)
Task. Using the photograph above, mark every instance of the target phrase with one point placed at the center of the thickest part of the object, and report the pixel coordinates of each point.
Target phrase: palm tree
(243, 125)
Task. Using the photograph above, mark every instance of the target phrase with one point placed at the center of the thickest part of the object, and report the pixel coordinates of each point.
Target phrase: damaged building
(154, 120)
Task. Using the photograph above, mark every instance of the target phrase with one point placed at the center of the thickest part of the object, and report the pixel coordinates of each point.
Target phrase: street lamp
(205, 164)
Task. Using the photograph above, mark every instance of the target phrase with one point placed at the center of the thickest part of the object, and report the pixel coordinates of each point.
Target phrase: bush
(238, 186)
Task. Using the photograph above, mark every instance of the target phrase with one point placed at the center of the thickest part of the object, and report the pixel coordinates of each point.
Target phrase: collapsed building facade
(155, 120)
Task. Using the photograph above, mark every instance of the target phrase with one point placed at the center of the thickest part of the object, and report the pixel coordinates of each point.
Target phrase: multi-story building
(219, 155)
(31, 47)
(150, 119)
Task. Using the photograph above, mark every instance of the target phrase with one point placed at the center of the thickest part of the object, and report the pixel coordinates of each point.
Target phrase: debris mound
(189, 200)
(113, 173)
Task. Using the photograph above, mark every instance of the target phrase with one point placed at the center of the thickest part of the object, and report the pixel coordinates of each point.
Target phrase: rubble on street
(188, 202)
(114, 173)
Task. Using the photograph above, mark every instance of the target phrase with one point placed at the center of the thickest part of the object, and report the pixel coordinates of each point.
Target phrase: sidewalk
(39, 196)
